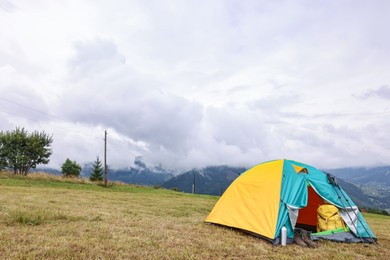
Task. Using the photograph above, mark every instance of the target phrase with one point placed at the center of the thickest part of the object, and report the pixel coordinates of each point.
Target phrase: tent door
(307, 218)
(293, 215)
(348, 214)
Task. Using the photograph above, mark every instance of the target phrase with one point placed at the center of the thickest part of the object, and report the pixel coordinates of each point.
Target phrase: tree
(97, 171)
(71, 169)
(21, 151)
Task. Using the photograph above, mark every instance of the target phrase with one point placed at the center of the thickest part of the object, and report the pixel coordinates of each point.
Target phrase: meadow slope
(52, 218)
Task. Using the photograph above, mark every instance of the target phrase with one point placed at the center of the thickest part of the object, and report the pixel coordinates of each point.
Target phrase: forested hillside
(212, 180)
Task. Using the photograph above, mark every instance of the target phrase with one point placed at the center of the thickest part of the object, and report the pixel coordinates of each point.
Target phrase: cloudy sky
(193, 83)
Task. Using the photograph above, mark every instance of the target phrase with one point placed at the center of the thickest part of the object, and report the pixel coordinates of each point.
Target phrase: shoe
(298, 239)
(307, 239)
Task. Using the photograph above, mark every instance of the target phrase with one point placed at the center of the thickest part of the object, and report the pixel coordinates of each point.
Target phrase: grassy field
(45, 217)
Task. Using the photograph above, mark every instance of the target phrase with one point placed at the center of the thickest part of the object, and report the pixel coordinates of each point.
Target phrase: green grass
(42, 217)
(377, 216)
(26, 218)
(50, 181)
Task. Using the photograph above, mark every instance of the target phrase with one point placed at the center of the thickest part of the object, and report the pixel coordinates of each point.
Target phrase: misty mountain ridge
(368, 187)
(376, 177)
(215, 180)
(212, 180)
(139, 174)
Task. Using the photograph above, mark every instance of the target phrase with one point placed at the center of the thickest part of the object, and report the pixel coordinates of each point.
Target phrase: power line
(122, 144)
(36, 110)
(39, 111)
(13, 114)
(116, 143)
(40, 121)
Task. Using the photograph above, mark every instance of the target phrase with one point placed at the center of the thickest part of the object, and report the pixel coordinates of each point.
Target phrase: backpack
(328, 218)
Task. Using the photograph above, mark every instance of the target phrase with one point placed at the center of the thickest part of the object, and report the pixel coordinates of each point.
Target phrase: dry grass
(57, 222)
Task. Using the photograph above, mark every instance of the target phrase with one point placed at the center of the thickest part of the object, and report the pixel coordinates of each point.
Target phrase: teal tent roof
(294, 196)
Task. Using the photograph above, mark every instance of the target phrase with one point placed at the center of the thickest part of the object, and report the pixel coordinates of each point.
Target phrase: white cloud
(381, 92)
(196, 83)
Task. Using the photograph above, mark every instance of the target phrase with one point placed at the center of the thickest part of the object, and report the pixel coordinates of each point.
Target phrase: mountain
(367, 187)
(378, 177)
(367, 197)
(139, 174)
(212, 180)
(215, 180)
(373, 185)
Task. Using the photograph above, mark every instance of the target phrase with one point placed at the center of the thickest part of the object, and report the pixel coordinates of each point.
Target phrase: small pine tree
(97, 171)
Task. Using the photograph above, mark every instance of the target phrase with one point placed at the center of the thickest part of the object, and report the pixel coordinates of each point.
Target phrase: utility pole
(105, 159)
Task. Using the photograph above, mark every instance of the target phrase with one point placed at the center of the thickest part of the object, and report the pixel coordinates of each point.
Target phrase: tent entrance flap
(293, 215)
(349, 215)
(307, 217)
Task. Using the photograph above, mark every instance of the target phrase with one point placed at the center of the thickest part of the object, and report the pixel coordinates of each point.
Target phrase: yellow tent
(273, 194)
(240, 206)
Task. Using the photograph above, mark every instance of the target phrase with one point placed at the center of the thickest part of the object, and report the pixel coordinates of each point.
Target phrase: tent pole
(332, 180)
(357, 217)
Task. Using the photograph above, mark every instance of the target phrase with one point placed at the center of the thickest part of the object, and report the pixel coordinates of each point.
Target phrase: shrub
(71, 169)
(378, 211)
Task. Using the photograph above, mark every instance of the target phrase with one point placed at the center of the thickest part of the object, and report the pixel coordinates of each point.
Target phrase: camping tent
(286, 193)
